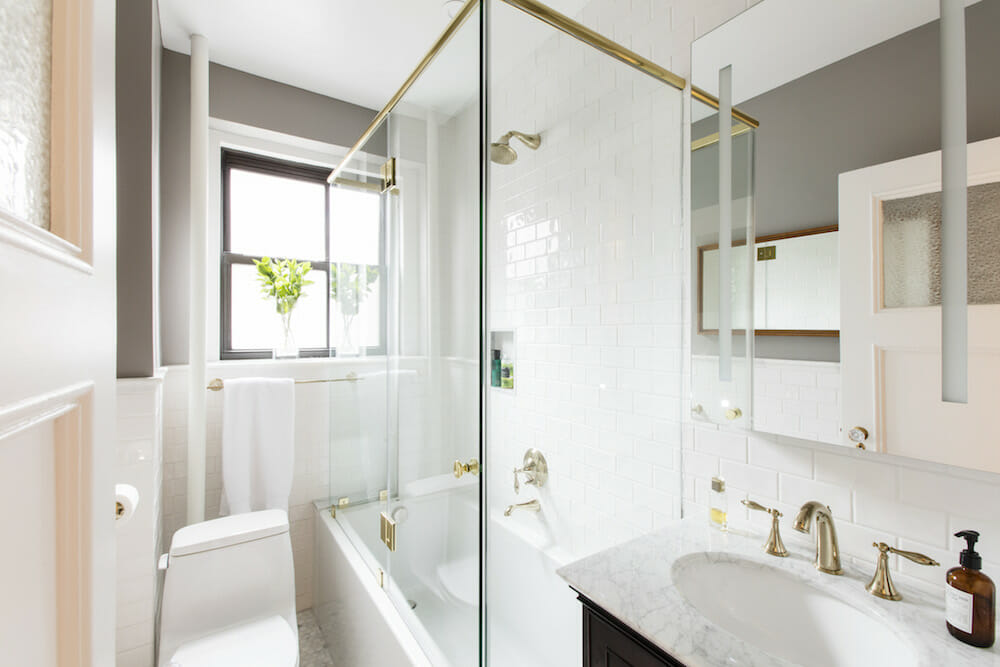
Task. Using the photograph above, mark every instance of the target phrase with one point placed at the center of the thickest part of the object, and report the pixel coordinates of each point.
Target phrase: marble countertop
(634, 582)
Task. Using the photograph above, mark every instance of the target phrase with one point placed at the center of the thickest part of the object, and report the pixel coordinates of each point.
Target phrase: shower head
(501, 151)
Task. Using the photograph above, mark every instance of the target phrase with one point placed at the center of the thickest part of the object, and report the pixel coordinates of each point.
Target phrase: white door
(57, 333)
(890, 337)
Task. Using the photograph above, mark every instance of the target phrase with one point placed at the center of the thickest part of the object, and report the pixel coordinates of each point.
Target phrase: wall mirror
(848, 97)
(796, 284)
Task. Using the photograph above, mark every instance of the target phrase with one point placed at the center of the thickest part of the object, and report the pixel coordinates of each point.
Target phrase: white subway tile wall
(800, 399)
(908, 504)
(139, 462)
(586, 266)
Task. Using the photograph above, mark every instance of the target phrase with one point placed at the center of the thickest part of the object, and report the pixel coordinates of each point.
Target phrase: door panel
(890, 348)
(57, 355)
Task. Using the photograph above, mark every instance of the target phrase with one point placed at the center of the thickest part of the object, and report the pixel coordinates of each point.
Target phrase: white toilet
(229, 594)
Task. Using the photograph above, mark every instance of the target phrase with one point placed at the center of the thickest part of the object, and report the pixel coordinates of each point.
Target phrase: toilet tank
(225, 572)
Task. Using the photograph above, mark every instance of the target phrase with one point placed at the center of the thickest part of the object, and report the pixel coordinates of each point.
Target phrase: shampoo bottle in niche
(970, 597)
(495, 369)
(506, 372)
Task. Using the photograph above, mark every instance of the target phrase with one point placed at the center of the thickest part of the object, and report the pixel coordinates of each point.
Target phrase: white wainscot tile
(857, 473)
(923, 525)
(767, 453)
(797, 490)
(757, 481)
(730, 445)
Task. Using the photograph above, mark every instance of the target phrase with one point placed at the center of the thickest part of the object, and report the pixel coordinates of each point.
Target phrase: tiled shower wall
(908, 504)
(586, 269)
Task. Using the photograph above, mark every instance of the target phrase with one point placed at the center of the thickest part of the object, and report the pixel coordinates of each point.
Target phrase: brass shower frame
(558, 21)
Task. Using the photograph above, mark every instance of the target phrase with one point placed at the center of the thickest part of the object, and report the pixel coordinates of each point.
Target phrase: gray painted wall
(878, 105)
(137, 73)
(242, 98)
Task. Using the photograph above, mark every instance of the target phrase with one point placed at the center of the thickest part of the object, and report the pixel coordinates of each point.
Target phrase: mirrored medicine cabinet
(833, 171)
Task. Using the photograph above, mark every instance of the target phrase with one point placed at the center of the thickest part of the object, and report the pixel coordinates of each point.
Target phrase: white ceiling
(359, 51)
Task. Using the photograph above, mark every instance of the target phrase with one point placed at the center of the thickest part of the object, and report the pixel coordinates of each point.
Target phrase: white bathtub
(533, 617)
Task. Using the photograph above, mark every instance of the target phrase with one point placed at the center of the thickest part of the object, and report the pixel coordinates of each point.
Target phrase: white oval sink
(786, 616)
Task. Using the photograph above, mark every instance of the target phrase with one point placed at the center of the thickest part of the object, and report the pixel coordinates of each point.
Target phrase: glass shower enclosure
(409, 456)
(409, 493)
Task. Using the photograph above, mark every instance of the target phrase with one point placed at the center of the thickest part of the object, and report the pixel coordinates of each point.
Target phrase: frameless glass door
(432, 218)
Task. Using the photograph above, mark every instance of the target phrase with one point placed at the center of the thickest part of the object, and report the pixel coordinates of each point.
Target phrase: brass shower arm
(532, 141)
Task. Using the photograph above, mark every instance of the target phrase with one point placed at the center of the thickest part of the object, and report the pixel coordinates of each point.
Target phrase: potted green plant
(350, 284)
(283, 281)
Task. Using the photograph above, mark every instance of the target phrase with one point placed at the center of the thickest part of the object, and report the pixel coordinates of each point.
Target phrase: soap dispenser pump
(970, 597)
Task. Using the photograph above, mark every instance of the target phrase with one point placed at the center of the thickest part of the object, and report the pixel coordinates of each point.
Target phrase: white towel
(258, 444)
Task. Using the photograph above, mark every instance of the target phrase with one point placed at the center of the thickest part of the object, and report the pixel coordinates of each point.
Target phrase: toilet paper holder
(126, 501)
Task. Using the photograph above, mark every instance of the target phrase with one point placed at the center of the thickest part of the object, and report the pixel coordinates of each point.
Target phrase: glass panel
(357, 297)
(256, 325)
(432, 289)
(25, 113)
(911, 248)
(585, 301)
(276, 216)
(358, 410)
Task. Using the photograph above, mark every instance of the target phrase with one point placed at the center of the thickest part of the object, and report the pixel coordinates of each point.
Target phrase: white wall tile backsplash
(908, 504)
(139, 462)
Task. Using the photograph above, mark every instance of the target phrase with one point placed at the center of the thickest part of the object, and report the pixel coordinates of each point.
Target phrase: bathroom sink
(785, 615)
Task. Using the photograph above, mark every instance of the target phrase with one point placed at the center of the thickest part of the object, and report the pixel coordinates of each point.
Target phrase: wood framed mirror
(796, 284)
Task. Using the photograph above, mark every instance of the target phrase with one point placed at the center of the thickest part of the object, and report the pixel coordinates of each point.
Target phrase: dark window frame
(278, 167)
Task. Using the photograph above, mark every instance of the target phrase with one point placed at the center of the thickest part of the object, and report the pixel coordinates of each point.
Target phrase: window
(283, 210)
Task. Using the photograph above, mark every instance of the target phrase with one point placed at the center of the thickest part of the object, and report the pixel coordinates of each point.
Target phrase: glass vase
(286, 348)
(347, 347)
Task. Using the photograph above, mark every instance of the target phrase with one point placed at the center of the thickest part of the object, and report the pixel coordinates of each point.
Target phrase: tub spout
(531, 506)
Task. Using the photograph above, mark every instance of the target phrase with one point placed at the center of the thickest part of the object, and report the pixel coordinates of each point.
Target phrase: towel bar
(217, 384)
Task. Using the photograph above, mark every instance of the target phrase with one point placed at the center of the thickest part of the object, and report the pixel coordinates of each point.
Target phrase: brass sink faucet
(827, 550)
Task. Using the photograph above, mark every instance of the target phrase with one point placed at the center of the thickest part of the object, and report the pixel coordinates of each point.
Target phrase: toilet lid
(264, 643)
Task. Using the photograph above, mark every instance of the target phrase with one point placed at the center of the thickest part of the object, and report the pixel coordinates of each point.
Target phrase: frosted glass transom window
(911, 248)
(25, 109)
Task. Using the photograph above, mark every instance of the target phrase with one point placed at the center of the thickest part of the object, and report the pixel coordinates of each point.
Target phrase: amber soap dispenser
(970, 597)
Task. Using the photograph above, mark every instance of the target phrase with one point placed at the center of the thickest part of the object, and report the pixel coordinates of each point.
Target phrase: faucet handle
(918, 558)
(750, 504)
(881, 584)
(774, 545)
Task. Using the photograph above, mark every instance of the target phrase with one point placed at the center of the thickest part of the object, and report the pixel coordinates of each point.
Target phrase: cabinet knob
(733, 413)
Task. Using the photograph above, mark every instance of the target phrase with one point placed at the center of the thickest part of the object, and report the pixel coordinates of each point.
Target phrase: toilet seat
(263, 643)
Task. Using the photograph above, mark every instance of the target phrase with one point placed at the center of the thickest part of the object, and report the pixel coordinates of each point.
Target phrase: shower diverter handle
(534, 468)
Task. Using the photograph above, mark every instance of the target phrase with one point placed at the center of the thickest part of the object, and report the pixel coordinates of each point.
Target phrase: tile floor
(312, 647)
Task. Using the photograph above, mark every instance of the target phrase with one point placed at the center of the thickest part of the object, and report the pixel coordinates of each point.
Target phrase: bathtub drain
(412, 603)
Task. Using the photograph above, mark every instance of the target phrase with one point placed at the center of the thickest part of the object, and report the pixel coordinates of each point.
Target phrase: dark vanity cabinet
(607, 642)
